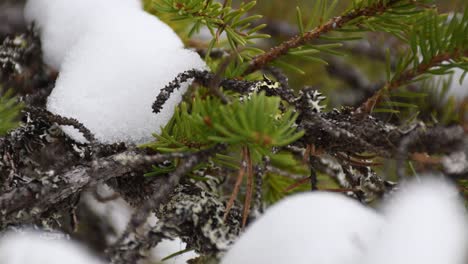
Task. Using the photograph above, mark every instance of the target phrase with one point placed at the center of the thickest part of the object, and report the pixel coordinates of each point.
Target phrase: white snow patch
(426, 223)
(168, 247)
(111, 88)
(75, 134)
(63, 22)
(319, 227)
(113, 59)
(40, 248)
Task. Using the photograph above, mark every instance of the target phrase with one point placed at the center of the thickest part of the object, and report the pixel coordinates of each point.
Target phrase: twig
(297, 184)
(348, 133)
(40, 195)
(406, 77)
(362, 47)
(258, 199)
(250, 185)
(161, 195)
(66, 121)
(215, 82)
(313, 179)
(206, 78)
(280, 77)
(335, 23)
(243, 169)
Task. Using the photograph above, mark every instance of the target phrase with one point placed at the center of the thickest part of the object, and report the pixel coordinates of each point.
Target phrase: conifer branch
(335, 23)
(408, 76)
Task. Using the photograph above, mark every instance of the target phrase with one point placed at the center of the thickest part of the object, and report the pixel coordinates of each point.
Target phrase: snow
(42, 248)
(63, 22)
(168, 247)
(111, 89)
(113, 58)
(316, 227)
(424, 222)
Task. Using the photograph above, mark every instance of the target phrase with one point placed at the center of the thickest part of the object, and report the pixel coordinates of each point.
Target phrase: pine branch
(10, 110)
(282, 29)
(436, 45)
(335, 23)
(218, 18)
(408, 76)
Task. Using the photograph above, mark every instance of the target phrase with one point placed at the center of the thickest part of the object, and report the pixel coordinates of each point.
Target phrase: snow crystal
(35, 247)
(62, 22)
(318, 227)
(426, 223)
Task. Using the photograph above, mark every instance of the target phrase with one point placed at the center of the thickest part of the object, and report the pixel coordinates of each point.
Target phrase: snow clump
(61, 23)
(42, 248)
(315, 227)
(425, 222)
(111, 66)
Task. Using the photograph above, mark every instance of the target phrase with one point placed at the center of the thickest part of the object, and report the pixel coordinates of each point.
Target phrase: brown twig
(408, 76)
(356, 162)
(237, 185)
(250, 185)
(297, 184)
(335, 23)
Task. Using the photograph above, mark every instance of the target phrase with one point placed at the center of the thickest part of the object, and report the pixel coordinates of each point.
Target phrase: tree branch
(408, 76)
(25, 203)
(335, 23)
